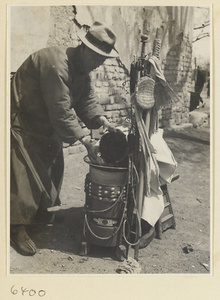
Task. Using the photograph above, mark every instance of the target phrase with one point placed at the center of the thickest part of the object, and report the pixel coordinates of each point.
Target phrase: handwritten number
(31, 292)
(41, 293)
(14, 291)
(24, 290)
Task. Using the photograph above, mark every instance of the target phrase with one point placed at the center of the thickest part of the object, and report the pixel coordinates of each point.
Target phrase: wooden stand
(167, 219)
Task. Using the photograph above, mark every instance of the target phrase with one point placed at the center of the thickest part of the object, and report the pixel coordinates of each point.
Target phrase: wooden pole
(140, 188)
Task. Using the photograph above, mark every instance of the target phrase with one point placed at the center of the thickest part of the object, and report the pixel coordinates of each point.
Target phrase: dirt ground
(58, 244)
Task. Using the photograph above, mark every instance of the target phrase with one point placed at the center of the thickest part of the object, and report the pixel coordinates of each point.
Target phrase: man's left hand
(106, 124)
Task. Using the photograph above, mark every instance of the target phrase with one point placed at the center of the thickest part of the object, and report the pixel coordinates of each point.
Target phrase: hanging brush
(157, 45)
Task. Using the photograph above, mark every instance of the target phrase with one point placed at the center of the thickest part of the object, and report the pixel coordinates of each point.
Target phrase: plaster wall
(29, 28)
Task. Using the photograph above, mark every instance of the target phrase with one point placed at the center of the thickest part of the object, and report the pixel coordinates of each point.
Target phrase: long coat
(48, 94)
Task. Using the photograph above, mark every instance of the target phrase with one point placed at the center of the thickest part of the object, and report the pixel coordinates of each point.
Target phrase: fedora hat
(100, 38)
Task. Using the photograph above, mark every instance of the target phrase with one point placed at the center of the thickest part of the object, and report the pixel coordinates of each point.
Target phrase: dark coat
(48, 92)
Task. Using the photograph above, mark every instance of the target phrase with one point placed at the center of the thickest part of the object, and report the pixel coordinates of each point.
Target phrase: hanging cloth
(163, 93)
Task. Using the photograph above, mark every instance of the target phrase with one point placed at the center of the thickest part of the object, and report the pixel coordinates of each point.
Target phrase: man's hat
(100, 38)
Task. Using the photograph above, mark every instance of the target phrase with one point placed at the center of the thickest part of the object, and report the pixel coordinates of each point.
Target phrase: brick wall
(128, 23)
(109, 79)
(108, 82)
(178, 73)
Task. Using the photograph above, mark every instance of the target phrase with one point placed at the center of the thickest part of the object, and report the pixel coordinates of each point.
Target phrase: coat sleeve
(87, 107)
(56, 92)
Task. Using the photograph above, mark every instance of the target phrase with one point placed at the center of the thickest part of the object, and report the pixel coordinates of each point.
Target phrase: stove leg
(85, 248)
(120, 252)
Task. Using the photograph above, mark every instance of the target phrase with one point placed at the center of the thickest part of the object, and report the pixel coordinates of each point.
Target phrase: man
(48, 92)
(199, 84)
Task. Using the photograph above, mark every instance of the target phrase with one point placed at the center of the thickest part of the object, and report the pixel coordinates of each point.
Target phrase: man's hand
(106, 124)
(92, 151)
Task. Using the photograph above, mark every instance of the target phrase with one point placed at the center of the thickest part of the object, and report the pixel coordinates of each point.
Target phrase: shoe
(147, 238)
(21, 242)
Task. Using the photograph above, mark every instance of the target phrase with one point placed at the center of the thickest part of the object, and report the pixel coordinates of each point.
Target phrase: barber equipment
(115, 191)
(106, 191)
(143, 87)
